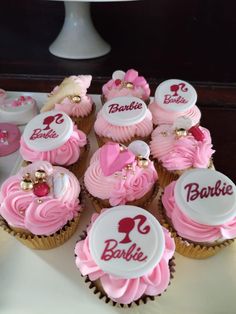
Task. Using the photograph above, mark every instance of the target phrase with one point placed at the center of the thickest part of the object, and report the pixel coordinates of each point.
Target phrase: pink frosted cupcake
(180, 147)
(126, 256)
(53, 137)
(126, 84)
(200, 211)
(121, 175)
(40, 205)
(174, 99)
(71, 97)
(123, 120)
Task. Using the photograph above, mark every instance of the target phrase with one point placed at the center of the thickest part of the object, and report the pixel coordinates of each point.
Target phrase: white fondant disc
(175, 95)
(48, 130)
(118, 75)
(140, 148)
(206, 196)
(126, 241)
(124, 111)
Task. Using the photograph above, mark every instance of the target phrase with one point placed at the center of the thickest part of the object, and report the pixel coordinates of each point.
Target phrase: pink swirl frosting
(191, 230)
(140, 87)
(123, 133)
(138, 181)
(161, 116)
(182, 153)
(124, 290)
(65, 155)
(24, 210)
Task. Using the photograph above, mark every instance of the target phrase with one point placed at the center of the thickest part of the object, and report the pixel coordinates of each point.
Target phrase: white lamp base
(78, 38)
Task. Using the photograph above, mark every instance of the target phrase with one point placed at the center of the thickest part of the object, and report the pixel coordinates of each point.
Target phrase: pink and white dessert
(18, 110)
(126, 84)
(40, 200)
(9, 139)
(201, 208)
(71, 97)
(52, 136)
(174, 99)
(179, 147)
(123, 120)
(121, 175)
(126, 255)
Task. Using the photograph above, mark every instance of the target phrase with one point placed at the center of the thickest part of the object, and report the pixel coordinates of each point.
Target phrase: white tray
(47, 282)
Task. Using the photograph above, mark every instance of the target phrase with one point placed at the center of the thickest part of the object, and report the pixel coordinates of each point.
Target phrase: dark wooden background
(189, 39)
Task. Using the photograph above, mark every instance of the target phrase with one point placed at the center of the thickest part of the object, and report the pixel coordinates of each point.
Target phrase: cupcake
(121, 175)
(126, 84)
(200, 211)
(39, 205)
(9, 139)
(126, 256)
(71, 97)
(180, 147)
(53, 137)
(174, 99)
(123, 120)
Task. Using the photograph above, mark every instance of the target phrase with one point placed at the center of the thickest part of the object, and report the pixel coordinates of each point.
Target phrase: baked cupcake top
(173, 99)
(181, 146)
(126, 84)
(52, 136)
(40, 198)
(71, 96)
(123, 118)
(120, 174)
(201, 205)
(128, 250)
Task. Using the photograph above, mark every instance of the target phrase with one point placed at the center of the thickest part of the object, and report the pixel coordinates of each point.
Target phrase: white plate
(36, 282)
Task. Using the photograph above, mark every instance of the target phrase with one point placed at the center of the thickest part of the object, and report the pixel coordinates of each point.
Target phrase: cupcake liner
(165, 176)
(103, 100)
(186, 247)
(85, 124)
(143, 202)
(43, 242)
(79, 167)
(101, 140)
(97, 290)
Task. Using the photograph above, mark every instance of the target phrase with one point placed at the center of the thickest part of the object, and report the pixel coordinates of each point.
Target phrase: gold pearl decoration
(142, 162)
(181, 132)
(40, 174)
(26, 183)
(129, 85)
(39, 201)
(75, 98)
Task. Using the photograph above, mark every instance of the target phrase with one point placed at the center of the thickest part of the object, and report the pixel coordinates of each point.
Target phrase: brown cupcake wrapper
(79, 167)
(85, 124)
(186, 247)
(103, 100)
(143, 202)
(165, 176)
(103, 296)
(43, 242)
(101, 140)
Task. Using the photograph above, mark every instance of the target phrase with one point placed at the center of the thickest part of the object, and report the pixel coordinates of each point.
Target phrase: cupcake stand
(35, 282)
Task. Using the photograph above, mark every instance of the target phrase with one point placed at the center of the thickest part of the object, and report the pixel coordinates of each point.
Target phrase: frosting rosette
(193, 230)
(124, 290)
(41, 206)
(126, 84)
(64, 155)
(180, 153)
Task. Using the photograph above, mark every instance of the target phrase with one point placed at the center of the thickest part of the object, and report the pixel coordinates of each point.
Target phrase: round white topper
(48, 130)
(139, 148)
(124, 111)
(175, 95)
(206, 196)
(118, 75)
(126, 241)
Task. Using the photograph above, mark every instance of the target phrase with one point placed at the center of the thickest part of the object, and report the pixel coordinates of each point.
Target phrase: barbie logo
(133, 252)
(175, 97)
(47, 132)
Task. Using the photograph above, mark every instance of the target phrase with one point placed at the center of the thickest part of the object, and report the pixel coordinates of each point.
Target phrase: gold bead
(142, 162)
(181, 132)
(26, 184)
(129, 85)
(40, 174)
(76, 98)
(39, 201)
